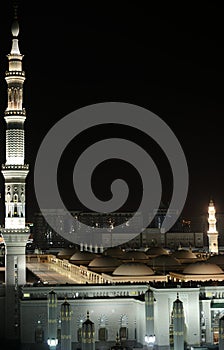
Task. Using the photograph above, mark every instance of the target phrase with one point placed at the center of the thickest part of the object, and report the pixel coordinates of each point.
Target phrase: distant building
(45, 237)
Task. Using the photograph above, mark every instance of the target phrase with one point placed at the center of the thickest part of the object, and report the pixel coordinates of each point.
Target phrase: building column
(52, 320)
(149, 312)
(66, 326)
(178, 324)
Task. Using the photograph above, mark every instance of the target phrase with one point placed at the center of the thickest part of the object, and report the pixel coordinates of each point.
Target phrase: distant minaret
(14, 171)
(212, 232)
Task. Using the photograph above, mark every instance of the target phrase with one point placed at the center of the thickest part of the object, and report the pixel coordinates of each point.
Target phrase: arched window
(102, 334)
(123, 332)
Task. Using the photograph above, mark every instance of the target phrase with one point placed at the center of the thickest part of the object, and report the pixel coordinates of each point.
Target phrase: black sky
(166, 58)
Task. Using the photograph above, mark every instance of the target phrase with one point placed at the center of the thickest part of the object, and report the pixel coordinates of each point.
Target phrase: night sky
(166, 58)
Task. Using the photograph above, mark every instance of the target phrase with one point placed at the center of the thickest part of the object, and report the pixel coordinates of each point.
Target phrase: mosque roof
(114, 252)
(164, 259)
(135, 254)
(156, 251)
(104, 261)
(216, 259)
(202, 268)
(82, 255)
(66, 252)
(184, 254)
(133, 269)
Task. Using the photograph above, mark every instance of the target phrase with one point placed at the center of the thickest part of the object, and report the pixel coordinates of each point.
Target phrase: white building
(112, 295)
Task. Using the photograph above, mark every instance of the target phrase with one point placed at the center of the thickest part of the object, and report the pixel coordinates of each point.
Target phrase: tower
(212, 232)
(14, 171)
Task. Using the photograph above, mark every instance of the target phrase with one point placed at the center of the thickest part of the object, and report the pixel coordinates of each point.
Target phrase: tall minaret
(14, 170)
(212, 232)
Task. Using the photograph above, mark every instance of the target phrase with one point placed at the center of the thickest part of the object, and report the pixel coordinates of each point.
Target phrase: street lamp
(150, 340)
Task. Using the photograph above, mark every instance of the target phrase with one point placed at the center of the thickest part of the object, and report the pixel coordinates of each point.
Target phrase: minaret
(14, 170)
(212, 232)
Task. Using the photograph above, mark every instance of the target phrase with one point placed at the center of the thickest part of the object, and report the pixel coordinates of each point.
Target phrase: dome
(154, 251)
(133, 269)
(164, 260)
(202, 268)
(115, 252)
(184, 254)
(216, 259)
(66, 253)
(83, 257)
(104, 261)
(135, 255)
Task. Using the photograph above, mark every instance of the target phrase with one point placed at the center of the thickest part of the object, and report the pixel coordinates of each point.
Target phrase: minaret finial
(15, 24)
(15, 8)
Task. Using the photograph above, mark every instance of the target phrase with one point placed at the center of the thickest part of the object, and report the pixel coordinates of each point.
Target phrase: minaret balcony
(15, 112)
(15, 72)
(15, 166)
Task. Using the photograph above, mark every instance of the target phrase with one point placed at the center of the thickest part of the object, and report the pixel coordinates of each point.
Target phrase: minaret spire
(14, 171)
(15, 8)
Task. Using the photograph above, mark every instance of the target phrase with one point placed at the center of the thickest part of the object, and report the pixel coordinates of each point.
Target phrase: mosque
(113, 299)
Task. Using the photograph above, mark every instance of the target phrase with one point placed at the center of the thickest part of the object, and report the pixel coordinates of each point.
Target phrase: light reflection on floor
(54, 274)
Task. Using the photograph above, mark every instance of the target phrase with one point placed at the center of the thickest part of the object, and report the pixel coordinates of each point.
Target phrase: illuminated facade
(14, 171)
(212, 232)
(130, 309)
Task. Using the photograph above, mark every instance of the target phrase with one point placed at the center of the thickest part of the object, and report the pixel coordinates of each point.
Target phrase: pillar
(178, 324)
(65, 326)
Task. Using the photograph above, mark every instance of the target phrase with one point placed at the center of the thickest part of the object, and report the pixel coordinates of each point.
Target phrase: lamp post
(150, 340)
